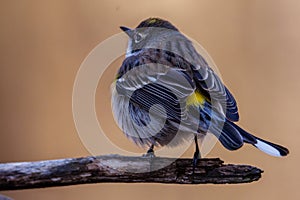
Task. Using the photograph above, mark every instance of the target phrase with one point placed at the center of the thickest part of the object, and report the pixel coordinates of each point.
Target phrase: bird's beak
(128, 31)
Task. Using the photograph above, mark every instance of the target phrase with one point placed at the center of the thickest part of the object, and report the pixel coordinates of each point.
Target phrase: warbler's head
(150, 33)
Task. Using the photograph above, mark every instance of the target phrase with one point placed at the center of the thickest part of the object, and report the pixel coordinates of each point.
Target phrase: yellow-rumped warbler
(164, 88)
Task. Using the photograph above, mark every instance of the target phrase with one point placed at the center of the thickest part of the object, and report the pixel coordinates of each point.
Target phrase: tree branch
(121, 169)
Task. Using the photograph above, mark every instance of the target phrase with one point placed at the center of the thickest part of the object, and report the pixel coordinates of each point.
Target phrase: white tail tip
(267, 148)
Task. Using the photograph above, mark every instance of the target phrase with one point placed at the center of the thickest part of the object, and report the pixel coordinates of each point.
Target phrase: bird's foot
(197, 156)
(149, 154)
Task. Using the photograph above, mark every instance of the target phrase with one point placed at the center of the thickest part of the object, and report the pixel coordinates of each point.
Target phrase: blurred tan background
(255, 44)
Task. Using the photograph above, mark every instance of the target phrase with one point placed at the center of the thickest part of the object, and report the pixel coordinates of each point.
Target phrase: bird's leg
(150, 152)
(197, 154)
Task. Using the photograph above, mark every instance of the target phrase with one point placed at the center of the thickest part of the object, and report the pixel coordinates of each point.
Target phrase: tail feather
(230, 137)
(231, 132)
(271, 148)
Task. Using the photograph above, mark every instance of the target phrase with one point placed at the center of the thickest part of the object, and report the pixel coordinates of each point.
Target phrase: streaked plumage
(163, 68)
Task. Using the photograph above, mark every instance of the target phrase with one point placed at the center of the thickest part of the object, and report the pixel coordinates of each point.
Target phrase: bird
(165, 89)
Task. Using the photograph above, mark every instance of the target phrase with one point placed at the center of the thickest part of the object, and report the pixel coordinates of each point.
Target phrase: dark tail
(233, 137)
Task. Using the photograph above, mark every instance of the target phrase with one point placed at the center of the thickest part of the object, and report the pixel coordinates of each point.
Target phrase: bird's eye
(138, 37)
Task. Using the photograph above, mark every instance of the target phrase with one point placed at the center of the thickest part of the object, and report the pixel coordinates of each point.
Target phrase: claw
(149, 155)
(150, 152)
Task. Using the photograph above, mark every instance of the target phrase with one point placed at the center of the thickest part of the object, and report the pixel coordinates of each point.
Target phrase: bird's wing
(158, 90)
(152, 66)
(144, 82)
(210, 85)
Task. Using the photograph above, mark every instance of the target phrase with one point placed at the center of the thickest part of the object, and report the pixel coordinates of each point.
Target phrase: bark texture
(122, 169)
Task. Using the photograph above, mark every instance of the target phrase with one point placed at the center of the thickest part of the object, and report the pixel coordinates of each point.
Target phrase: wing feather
(209, 81)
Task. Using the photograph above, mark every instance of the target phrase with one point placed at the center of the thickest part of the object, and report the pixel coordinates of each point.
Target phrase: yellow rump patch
(196, 99)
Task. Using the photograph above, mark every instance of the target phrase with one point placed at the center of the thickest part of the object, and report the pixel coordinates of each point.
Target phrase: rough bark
(122, 169)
